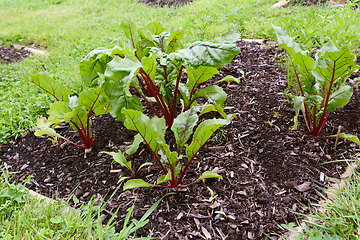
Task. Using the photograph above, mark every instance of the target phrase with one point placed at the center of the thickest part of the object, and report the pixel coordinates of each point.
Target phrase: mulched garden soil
(169, 3)
(11, 54)
(269, 173)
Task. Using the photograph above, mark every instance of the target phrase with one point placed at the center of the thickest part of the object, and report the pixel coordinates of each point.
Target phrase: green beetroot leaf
(152, 132)
(95, 62)
(76, 111)
(183, 127)
(49, 85)
(137, 121)
(320, 84)
(206, 54)
(136, 183)
(202, 134)
(118, 76)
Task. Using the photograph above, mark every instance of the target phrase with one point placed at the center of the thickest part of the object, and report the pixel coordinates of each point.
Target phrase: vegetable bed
(268, 170)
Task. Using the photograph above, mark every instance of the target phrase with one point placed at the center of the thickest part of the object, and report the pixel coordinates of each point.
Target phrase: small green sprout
(219, 137)
(271, 123)
(212, 197)
(277, 115)
(227, 216)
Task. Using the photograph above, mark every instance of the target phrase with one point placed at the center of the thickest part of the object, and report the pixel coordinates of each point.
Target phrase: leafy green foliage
(153, 65)
(152, 132)
(74, 110)
(320, 84)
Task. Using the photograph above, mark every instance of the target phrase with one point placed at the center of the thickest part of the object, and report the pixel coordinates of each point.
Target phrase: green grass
(338, 218)
(27, 217)
(68, 30)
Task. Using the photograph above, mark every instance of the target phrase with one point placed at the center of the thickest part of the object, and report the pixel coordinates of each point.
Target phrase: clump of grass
(335, 219)
(25, 217)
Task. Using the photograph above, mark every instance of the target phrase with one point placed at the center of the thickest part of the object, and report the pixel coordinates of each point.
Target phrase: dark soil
(308, 2)
(169, 3)
(268, 172)
(11, 54)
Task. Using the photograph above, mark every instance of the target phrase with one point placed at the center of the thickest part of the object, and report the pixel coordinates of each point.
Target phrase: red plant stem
(153, 93)
(166, 92)
(320, 127)
(156, 156)
(143, 87)
(314, 118)
(83, 138)
(162, 45)
(307, 119)
(153, 89)
(176, 92)
(148, 103)
(67, 140)
(326, 102)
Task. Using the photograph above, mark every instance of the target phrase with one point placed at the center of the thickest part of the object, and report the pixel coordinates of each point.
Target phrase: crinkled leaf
(43, 127)
(202, 134)
(159, 125)
(127, 102)
(213, 93)
(149, 66)
(288, 43)
(135, 145)
(170, 159)
(95, 62)
(209, 174)
(94, 99)
(185, 93)
(196, 76)
(333, 65)
(136, 183)
(119, 74)
(78, 119)
(339, 98)
(171, 41)
(297, 103)
(206, 54)
(57, 112)
(137, 121)
(183, 127)
(49, 85)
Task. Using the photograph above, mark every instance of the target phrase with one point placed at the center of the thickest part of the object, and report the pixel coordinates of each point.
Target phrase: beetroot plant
(152, 66)
(152, 133)
(319, 84)
(72, 109)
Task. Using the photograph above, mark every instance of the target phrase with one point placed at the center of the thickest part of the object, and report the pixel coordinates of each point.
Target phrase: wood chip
(216, 148)
(206, 233)
(197, 222)
(322, 177)
(303, 187)
(180, 216)
(115, 171)
(218, 170)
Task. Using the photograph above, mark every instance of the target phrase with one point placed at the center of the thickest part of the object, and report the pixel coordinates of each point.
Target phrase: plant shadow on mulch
(269, 173)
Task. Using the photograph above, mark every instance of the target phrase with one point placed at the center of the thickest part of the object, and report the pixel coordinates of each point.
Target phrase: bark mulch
(269, 173)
